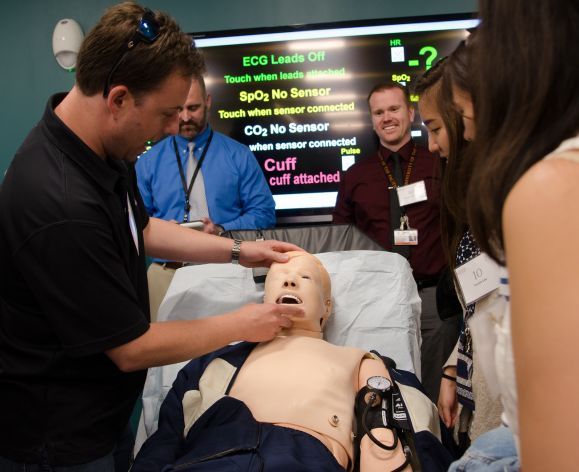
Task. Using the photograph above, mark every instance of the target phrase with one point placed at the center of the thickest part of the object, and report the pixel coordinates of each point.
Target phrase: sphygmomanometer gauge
(379, 383)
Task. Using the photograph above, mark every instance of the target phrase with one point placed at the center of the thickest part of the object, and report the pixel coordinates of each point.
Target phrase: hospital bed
(375, 307)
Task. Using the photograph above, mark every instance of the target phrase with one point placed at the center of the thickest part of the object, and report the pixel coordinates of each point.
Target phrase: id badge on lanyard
(405, 236)
(407, 195)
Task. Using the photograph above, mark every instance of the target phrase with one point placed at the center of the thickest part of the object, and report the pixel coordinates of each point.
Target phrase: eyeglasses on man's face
(147, 32)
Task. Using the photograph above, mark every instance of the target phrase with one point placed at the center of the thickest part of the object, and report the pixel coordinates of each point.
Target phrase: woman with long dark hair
(523, 208)
(461, 385)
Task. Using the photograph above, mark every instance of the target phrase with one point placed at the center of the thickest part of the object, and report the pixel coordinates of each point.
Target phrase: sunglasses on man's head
(147, 32)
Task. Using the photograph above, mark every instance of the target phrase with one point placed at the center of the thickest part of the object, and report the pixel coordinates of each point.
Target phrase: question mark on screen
(433, 53)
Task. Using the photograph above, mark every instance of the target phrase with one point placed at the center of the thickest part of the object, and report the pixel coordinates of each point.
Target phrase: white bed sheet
(376, 307)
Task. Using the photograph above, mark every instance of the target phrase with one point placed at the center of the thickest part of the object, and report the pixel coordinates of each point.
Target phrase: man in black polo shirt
(75, 337)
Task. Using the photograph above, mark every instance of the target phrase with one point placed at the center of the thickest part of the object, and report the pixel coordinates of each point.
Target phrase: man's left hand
(263, 253)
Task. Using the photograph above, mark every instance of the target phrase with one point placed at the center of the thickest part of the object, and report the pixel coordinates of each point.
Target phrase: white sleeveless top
(571, 144)
(491, 328)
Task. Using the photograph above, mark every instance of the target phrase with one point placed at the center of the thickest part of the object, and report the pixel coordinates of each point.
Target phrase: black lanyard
(187, 189)
(393, 183)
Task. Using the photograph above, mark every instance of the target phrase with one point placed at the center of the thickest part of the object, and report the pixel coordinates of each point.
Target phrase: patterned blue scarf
(467, 250)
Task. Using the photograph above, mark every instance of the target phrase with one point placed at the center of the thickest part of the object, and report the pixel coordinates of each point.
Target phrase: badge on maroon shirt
(405, 236)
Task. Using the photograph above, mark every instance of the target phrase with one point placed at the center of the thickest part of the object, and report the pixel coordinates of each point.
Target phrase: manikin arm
(372, 457)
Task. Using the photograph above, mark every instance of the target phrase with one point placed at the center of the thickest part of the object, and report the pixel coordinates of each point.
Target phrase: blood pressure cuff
(414, 418)
(376, 415)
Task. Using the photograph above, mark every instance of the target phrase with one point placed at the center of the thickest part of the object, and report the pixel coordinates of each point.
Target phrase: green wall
(30, 73)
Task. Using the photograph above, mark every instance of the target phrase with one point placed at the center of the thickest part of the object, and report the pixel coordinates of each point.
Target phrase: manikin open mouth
(289, 300)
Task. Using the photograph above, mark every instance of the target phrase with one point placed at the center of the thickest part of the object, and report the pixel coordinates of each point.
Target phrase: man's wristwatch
(236, 251)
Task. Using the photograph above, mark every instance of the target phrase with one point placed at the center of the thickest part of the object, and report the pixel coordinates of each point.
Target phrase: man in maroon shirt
(366, 192)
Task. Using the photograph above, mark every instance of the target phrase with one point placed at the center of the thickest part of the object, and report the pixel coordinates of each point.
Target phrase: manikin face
(463, 104)
(193, 116)
(299, 281)
(437, 134)
(391, 117)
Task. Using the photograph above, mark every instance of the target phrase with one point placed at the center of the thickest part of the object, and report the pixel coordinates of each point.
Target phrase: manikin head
(302, 280)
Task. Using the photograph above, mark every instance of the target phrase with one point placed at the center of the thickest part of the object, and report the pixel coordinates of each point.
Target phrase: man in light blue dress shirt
(229, 191)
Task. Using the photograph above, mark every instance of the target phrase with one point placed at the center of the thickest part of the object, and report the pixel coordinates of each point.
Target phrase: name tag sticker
(412, 193)
(478, 277)
(406, 237)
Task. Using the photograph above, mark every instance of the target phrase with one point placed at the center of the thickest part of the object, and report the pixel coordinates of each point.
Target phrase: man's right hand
(262, 322)
(210, 227)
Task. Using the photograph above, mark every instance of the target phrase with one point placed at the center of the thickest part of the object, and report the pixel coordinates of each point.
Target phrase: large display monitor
(297, 96)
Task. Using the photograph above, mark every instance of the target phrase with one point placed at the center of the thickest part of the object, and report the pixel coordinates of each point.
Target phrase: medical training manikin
(296, 403)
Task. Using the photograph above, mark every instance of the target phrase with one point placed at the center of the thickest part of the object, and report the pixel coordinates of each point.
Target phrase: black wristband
(448, 377)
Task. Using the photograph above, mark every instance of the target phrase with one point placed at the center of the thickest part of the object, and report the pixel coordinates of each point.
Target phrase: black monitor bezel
(323, 214)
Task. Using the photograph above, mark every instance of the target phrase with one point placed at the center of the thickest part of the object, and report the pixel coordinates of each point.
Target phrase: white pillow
(376, 303)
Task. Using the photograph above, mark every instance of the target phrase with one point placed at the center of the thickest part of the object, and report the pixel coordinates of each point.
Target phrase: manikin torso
(304, 383)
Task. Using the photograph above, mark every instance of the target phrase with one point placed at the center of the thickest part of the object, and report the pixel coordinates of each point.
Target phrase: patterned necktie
(395, 210)
(190, 161)
(197, 199)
